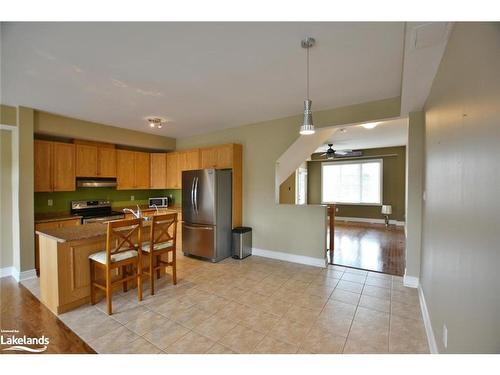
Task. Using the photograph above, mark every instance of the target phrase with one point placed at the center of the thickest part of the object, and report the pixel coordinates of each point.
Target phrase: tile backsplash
(61, 201)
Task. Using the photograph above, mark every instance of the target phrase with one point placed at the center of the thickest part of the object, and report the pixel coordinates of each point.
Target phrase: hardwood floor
(370, 247)
(23, 312)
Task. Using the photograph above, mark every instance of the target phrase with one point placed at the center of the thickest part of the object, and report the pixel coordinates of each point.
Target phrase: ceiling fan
(331, 153)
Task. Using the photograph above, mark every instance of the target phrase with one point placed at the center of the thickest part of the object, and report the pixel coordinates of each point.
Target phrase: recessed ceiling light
(370, 125)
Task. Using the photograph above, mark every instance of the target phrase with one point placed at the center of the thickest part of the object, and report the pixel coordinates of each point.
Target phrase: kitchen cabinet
(132, 170)
(181, 161)
(142, 170)
(71, 222)
(95, 160)
(106, 162)
(158, 171)
(54, 164)
(173, 171)
(218, 157)
(42, 166)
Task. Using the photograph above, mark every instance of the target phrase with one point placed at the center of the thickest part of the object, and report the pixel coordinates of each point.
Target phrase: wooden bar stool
(123, 250)
(163, 239)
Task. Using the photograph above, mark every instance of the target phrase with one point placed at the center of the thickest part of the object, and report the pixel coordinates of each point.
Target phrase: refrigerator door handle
(192, 193)
(196, 195)
(197, 227)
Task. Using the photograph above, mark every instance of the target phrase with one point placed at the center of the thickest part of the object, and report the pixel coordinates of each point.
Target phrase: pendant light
(307, 127)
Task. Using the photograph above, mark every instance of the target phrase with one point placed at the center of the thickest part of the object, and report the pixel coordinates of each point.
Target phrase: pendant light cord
(307, 75)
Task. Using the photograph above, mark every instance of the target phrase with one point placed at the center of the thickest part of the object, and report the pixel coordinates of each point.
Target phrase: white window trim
(356, 162)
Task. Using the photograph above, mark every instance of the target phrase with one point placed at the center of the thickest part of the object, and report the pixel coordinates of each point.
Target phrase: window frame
(364, 161)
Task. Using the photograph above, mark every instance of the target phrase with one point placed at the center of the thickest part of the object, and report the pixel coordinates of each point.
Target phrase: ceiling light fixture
(307, 127)
(156, 122)
(370, 125)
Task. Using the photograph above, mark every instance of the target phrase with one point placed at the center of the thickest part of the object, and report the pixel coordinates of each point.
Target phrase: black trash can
(242, 242)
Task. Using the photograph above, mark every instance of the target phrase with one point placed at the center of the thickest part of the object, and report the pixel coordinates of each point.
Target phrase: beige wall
(6, 198)
(8, 115)
(393, 185)
(287, 190)
(414, 192)
(461, 213)
(293, 229)
(52, 124)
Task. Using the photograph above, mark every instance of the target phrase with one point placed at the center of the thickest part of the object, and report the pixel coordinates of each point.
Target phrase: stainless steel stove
(95, 211)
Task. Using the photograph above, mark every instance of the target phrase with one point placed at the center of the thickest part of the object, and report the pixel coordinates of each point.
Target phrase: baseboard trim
(6, 271)
(24, 275)
(369, 220)
(431, 339)
(302, 259)
(410, 281)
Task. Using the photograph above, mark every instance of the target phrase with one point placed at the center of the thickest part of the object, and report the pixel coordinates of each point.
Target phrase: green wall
(62, 200)
(394, 182)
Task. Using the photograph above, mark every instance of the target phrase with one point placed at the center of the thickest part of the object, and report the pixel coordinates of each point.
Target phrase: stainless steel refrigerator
(206, 213)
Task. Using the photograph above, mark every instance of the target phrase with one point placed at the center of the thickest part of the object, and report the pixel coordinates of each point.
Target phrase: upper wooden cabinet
(43, 165)
(218, 157)
(54, 166)
(95, 160)
(158, 171)
(173, 171)
(106, 162)
(142, 172)
(63, 167)
(181, 161)
(132, 170)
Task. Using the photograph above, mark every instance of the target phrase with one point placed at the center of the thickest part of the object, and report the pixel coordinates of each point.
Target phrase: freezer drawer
(198, 240)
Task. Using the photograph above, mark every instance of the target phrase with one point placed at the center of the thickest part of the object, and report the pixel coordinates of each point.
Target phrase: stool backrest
(123, 235)
(163, 229)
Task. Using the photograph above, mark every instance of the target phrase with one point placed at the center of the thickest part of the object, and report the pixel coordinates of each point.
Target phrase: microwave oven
(159, 202)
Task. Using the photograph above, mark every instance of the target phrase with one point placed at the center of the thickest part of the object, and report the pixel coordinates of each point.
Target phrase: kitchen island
(64, 263)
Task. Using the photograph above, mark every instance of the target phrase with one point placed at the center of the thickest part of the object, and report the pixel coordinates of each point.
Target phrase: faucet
(137, 214)
(156, 207)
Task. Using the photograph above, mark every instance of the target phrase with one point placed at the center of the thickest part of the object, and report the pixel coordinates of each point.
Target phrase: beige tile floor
(257, 305)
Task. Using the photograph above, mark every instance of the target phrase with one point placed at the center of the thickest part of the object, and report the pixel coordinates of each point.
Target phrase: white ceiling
(200, 76)
(385, 134)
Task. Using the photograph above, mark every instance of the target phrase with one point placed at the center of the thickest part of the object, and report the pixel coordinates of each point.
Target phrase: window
(350, 182)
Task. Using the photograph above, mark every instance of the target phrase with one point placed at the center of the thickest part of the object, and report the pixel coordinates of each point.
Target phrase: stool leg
(92, 280)
(124, 275)
(152, 273)
(174, 267)
(139, 279)
(109, 291)
(158, 271)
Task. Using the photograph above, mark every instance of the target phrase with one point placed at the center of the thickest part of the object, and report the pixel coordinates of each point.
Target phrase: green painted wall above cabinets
(61, 201)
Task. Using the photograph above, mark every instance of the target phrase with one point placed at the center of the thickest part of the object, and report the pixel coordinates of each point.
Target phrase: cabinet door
(125, 169)
(86, 161)
(142, 173)
(158, 171)
(173, 171)
(190, 160)
(106, 162)
(208, 157)
(69, 223)
(224, 157)
(43, 165)
(63, 166)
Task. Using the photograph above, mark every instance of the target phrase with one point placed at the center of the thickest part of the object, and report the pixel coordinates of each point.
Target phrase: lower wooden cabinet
(50, 225)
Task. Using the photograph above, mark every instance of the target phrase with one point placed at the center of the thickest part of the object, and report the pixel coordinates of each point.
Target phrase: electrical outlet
(336, 209)
(132, 198)
(445, 336)
(50, 202)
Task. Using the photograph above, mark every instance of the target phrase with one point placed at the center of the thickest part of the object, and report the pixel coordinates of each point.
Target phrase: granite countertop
(145, 207)
(79, 232)
(54, 216)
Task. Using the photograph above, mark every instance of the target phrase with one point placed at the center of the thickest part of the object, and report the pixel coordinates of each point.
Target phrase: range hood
(88, 182)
